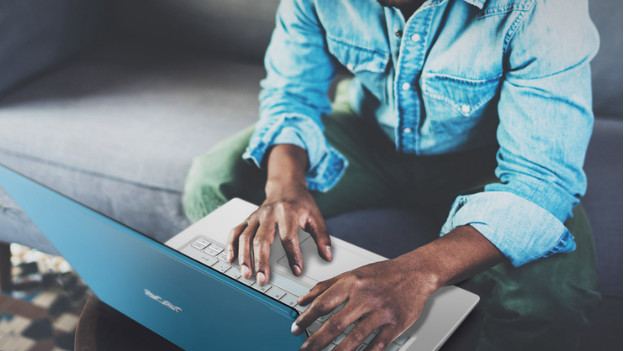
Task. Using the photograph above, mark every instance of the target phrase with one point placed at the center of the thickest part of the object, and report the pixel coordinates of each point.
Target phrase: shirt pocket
(368, 65)
(454, 105)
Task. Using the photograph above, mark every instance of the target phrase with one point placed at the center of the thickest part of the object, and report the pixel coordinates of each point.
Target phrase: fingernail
(329, 253)
(230, 256)
(295, 330)
(245, 271)
(296, 269)
(261, 278)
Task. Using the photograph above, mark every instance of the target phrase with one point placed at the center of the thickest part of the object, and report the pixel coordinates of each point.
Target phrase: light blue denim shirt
(457, 75)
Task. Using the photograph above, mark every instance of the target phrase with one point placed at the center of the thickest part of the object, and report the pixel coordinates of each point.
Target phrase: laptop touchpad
(316, 268)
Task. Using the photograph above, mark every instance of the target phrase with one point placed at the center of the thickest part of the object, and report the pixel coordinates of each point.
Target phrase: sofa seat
(117, 129)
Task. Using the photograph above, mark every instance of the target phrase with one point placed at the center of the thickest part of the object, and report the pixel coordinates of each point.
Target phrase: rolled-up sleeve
(545, 122)
(294, 94)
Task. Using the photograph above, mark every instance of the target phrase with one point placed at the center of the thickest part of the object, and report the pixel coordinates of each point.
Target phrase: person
(483, 106)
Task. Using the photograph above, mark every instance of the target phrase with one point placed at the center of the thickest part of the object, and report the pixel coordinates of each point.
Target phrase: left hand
(389, 295)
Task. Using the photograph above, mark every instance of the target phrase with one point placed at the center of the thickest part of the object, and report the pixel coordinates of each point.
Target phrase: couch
(109, 101)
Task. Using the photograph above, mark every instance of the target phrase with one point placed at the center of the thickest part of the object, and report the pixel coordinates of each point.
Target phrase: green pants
(543, 305)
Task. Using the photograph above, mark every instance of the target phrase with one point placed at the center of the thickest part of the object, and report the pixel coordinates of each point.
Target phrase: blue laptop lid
(182, 300)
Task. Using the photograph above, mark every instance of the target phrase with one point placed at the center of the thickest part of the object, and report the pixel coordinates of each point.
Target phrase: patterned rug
(42, 310)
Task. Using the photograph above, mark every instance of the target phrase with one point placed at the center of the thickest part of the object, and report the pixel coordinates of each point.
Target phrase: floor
(42, 310)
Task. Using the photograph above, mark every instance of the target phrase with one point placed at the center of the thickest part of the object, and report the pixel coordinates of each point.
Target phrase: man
(446, 94)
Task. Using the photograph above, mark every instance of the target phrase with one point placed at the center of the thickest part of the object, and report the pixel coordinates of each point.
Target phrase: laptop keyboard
(282, 289)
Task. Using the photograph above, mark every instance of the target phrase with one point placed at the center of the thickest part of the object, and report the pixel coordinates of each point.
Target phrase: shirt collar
(477, 3)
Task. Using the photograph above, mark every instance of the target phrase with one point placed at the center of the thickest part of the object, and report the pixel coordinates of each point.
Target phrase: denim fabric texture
(457, 75)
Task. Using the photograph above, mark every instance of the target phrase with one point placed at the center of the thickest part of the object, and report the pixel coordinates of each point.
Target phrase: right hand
(289, 205)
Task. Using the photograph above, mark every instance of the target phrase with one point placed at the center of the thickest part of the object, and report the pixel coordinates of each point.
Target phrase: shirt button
(465, 108)
(350, 66)
(398, 33)
(405, 86)
(415, 38)
(407, 130)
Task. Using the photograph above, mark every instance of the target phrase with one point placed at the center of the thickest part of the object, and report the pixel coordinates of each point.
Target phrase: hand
(388, 295)
(289, 205)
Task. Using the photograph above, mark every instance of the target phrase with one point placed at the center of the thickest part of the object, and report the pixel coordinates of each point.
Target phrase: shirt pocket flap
(465, 96)
(358, 59)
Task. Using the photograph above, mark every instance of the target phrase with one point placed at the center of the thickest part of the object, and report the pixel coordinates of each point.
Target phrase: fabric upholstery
(36, 34)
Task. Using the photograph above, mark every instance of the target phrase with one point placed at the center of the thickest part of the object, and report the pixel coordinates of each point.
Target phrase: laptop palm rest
(317, 269)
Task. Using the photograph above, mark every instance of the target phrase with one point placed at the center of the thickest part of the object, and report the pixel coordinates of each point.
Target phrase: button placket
(414, 46)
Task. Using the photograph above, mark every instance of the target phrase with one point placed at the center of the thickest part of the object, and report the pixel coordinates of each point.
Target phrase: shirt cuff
(289, 135)
(520, 229)
(327, 165)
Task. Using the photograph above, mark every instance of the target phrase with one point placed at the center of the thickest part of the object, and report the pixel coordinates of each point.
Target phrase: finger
(289, 235)
(327, 302)
(383, 339)
(318, 230)
(262, 250)
(361, 332)
(244, 248)
(318, 289)
(334, 326)
(232, 243)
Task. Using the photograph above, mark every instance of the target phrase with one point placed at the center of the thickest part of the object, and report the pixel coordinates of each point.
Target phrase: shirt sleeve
(545, 122)
(294, 94)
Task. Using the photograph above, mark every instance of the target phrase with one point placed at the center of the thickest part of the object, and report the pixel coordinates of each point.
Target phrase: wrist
(421, 269)
(279, 184)
(454, 257)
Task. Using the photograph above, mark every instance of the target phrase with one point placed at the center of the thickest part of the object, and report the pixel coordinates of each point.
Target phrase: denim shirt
(457, 75)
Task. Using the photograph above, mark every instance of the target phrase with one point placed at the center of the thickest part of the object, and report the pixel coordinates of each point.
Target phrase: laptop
(185, 291)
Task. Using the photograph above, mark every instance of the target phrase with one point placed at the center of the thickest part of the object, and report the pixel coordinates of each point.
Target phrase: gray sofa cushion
(603, 201)
(117, 129)
(35, 34)
(607, 65)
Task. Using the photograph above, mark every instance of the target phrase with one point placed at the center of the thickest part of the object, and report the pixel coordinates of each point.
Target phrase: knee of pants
(565, 302)
(202, 193)
(199, 199)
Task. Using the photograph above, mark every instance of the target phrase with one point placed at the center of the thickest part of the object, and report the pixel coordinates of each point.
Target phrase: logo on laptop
(161, 301)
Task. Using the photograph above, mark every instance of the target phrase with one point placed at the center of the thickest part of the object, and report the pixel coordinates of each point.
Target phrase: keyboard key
(208, 260)
(276, 293)
(198, 246)
(339, 338)
(324, 318)
(314, 327)
(211, 251)
(291, 286)
(402, 339)
(289, 299)
(262, 289)
(222, 256)
(203, 241)
(349, 328)
(233, 272)
(329, 347)
(217, 248)
(300, 308)
(222, 266)
(248, 282)
(370, 337)
(393, 347)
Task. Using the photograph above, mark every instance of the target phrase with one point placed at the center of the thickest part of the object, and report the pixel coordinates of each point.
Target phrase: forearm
(452, 258)
(286, 164)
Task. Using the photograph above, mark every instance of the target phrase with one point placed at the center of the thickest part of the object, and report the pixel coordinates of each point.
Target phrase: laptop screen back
(191, 305)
